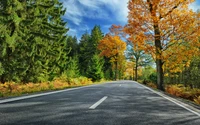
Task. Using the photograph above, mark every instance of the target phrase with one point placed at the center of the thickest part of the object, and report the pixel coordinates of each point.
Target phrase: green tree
(88, 48)
(73, 45)
(96, 36)
(10, 37)
(95, 68)
(72, 68)
(138, 56)
(83, 53)
(33, 40)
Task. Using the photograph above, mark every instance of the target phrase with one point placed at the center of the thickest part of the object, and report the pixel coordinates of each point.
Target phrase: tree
(10, 36)
(96, 36)
(136, 54)
(72, 70)
(73, 46)
(88, 48)
(113, 48)
(134, 50)
(84, 53)
(95, 68)
(33, 40)
(163, 25)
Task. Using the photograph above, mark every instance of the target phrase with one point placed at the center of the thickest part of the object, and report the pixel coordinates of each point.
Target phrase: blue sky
(83, 15)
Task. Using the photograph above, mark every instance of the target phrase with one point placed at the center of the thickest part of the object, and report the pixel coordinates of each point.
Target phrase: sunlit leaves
(112, 46)
(172, 26)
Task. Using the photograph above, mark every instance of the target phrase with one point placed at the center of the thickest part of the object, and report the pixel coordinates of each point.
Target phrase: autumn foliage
(113, 48)
(15, 89)
(184, 92)
(167, 29)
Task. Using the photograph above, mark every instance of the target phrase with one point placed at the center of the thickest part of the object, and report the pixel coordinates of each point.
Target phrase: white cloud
(118, 7)
(72, 32)
(111, 11)
(89, 3)
(194, 6)
(73, 13)
(77, 9)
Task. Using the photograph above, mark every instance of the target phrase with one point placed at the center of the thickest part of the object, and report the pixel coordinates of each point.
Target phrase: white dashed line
(98, 103)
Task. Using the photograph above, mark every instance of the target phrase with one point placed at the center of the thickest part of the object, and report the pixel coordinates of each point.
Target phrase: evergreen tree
(84, 51)
(33, 40)
(95, 68)
(10, 37)
(73, 45)
(72, 68)
(96, 36)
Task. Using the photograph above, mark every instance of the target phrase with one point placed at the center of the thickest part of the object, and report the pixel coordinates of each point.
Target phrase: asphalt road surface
(114, 103)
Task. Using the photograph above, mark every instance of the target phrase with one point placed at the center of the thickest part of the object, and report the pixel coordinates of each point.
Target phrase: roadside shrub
(59, 84)
(174, 90)
(152, 85)
(13, 89)
(197, 100)
(153, 77)
(184, 92)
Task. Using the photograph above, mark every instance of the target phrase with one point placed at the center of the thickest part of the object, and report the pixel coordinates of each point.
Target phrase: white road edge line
(47, 93)
(98, 103)
(181, 104)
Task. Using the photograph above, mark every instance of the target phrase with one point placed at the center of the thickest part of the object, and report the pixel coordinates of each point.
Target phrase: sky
(83, 15)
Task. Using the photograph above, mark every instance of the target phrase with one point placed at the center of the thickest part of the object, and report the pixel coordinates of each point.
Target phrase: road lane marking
(179, 103)
(98, 103)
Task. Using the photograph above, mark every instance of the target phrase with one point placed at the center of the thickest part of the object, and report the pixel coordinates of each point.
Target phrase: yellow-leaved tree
(112, 47)
(164, 27)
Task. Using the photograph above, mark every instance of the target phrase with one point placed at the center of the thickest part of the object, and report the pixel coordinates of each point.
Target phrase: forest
(161, 49)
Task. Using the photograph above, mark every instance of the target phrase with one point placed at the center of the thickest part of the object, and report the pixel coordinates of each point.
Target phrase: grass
(16, 89)
(184, 92)
(179, 90)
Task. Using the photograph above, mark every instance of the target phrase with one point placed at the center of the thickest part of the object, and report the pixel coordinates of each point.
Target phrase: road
(115, 103)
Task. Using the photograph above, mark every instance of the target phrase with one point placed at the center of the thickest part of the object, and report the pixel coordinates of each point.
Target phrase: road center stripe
(98, 103)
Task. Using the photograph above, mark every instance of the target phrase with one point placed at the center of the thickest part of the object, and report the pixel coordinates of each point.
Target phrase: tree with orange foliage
(136, 52)
(113, 48)
(161, 25)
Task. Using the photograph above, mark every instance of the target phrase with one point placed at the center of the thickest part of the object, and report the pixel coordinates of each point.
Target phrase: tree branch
(170, 11)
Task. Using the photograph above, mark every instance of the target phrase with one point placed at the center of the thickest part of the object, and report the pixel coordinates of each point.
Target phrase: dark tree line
(35, 47)
(33, 40)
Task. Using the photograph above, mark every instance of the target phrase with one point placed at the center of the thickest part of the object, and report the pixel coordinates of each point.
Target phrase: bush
(153, 77)
(12, 89)
(197, 100)
(152, 85)
(184, 92)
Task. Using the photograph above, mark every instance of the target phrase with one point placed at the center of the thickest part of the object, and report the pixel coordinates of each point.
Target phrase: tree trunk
(116, 70)
(159, 63)
(160, 75)
(136, 69)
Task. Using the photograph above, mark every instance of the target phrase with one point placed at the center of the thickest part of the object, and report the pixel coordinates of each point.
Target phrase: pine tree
(33, 40)
(10, 37)
(95, 68)
(84, 51)
(96, 36)
(73, 45)
(72, 68)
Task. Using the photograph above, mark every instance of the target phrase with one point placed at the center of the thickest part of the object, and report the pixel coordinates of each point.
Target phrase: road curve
(114, 103)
